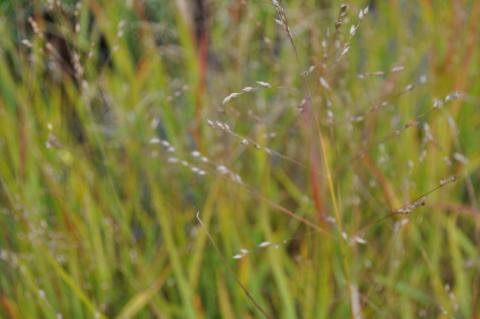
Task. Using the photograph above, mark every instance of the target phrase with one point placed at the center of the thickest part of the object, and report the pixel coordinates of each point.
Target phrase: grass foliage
(245, 159)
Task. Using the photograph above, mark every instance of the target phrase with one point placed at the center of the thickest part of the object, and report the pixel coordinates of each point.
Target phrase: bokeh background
(239, 159)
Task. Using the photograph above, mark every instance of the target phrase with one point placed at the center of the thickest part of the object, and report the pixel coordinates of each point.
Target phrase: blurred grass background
(109, 146)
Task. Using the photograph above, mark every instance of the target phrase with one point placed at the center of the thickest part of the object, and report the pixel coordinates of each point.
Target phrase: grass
(298, 168)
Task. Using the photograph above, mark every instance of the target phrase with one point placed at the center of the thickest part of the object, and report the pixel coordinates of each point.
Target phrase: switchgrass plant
(245, 159)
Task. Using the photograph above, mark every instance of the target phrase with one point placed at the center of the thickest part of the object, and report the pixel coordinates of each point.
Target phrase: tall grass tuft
(239, 159)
